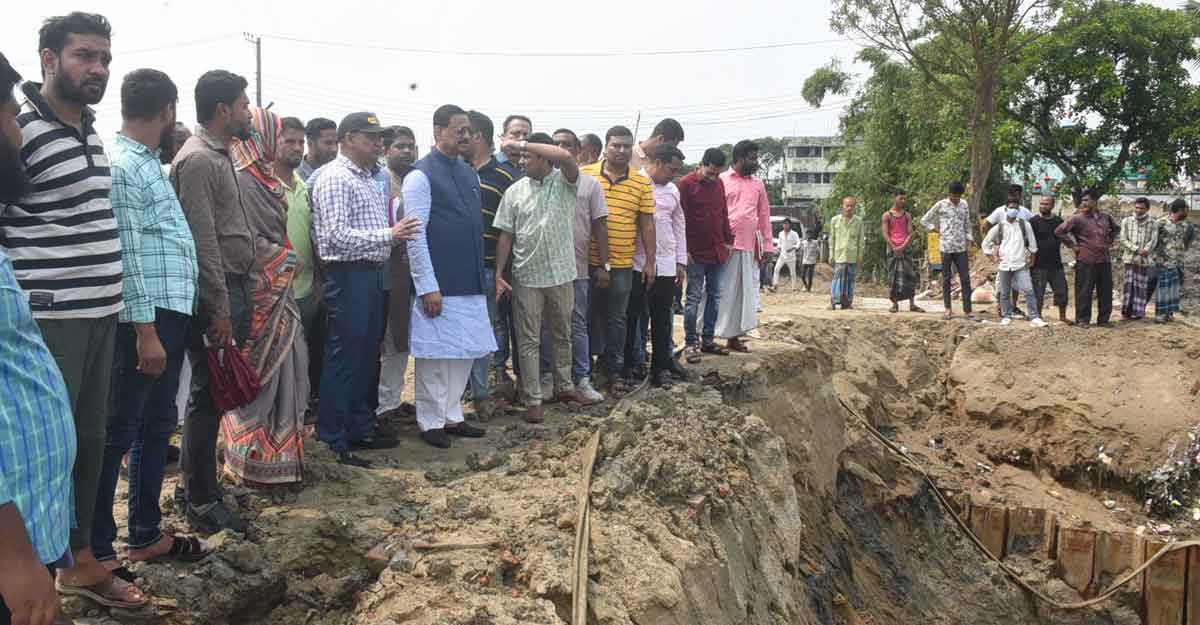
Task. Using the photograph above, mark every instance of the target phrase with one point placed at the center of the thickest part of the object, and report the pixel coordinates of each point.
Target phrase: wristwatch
(608, 267)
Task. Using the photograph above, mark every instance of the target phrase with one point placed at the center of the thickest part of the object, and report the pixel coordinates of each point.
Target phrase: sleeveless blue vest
(455, 228)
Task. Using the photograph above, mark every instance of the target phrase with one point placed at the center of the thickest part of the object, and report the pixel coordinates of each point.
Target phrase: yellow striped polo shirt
(627, 197)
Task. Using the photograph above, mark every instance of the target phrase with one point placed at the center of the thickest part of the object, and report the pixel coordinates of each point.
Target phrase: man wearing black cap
(354, 240)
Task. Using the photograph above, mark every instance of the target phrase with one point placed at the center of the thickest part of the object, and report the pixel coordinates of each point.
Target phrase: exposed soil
(750, 496)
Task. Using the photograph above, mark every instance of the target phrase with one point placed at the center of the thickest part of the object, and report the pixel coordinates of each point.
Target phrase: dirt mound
(743, 498)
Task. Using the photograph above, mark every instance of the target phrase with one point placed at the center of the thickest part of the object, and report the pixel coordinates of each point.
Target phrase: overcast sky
(718, 97)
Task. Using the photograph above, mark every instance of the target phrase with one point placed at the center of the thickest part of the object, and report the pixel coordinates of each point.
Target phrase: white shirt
(789, 242)
(1001, 213)
(1013, 253)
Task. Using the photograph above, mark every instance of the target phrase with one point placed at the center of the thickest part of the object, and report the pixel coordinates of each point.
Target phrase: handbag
(233, 380)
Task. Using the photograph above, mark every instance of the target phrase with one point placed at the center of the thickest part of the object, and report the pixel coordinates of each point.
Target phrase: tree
(898, 139)
(962, 49)
(1109, 89)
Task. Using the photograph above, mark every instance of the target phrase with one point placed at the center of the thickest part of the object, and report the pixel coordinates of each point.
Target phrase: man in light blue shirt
(37, 431)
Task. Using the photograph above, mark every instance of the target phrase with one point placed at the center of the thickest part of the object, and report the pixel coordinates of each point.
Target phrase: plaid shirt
(1137, 236)
(159, 255)
(37, 431)
(1173, 240)
(350, 214)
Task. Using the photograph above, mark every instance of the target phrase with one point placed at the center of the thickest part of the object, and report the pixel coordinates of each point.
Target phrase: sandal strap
(185, 546)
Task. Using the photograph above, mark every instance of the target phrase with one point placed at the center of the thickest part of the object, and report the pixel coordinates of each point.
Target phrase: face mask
(1013, 213)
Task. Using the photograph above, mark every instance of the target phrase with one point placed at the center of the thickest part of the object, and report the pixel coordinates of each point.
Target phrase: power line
(178, 44)
(505, 53)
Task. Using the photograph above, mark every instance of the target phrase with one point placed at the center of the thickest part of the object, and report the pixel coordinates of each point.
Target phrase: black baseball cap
(359, 122)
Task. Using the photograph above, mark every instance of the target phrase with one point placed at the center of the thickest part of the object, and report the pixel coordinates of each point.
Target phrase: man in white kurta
(449, 331)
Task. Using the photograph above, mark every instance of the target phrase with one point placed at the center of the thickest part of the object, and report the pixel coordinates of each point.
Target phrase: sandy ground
(1016, 415)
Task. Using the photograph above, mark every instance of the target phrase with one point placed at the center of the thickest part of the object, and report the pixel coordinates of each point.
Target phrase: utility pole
(636, 125)
(257, 41)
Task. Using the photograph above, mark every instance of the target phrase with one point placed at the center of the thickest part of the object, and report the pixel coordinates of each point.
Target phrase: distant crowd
(296, 266)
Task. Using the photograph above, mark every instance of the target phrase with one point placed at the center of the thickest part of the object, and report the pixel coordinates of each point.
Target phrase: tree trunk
(983, 122)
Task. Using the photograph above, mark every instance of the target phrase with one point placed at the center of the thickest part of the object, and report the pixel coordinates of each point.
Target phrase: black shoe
(172, 454)
(677, 372)
(349, 459)
(374, 442)
(466, 430)
(1017, 312)
(214, 517)
(1104, 324)
(1083, 324)
(662, 379)
(385, 430)
(437, 438)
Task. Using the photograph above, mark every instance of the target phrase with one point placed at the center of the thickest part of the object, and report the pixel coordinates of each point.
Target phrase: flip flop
(947, 315)
(714, 349)
(184, 549)
(693, 356)
(739, 347)
(916, 309)
(106, 593)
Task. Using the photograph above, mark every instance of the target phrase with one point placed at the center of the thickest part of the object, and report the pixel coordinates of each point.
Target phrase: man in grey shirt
(203, 176)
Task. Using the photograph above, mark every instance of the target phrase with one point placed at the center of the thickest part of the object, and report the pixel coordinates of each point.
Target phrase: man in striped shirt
(66, 253)
(37, 436)
(630, 214)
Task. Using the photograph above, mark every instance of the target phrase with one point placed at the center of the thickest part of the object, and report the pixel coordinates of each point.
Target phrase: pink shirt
(670, 233)
(749, 211)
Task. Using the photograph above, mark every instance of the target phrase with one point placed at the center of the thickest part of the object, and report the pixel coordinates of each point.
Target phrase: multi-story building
(809, 168)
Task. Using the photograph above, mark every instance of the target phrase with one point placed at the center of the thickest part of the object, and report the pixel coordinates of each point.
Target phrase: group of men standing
(321, 255)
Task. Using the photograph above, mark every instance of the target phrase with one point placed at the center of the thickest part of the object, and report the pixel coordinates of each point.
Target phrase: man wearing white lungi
(450, 324)
(750, 221)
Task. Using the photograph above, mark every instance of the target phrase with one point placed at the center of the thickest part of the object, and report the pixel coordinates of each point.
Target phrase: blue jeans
(354, 329)
(142, 417)
(703, 279)
(479, 370)
(608, 309)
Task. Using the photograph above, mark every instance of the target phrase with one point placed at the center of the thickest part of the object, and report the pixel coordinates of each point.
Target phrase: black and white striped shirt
(62, 236)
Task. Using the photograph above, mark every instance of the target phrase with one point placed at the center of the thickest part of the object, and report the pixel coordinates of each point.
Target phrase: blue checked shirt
(350, 214)
(159, 256)
(37, 432)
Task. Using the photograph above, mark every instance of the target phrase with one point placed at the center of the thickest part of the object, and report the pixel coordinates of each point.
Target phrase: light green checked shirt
(158, 254)
(540, 215)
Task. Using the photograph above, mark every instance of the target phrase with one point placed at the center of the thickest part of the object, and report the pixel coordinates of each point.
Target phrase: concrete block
(1116, 554)
(990, 524)
(1030, 532)
(1077, 556)
(1166, 586)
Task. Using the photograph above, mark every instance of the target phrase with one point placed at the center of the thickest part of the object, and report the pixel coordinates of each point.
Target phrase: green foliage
(825, 81)
(1108, 89)
(900, 135)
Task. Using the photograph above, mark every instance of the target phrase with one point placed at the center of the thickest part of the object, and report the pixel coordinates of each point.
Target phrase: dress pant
(790, 263)
(656, 301)
(141, 422)
(349, 382)
(534, 308)
(83, 350)
(312, 318)
(1093, 278)
(960, 262)
(202, 423)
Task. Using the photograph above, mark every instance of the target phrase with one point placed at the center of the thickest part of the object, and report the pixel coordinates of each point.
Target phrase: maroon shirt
(706, 217)
(1091, 234)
